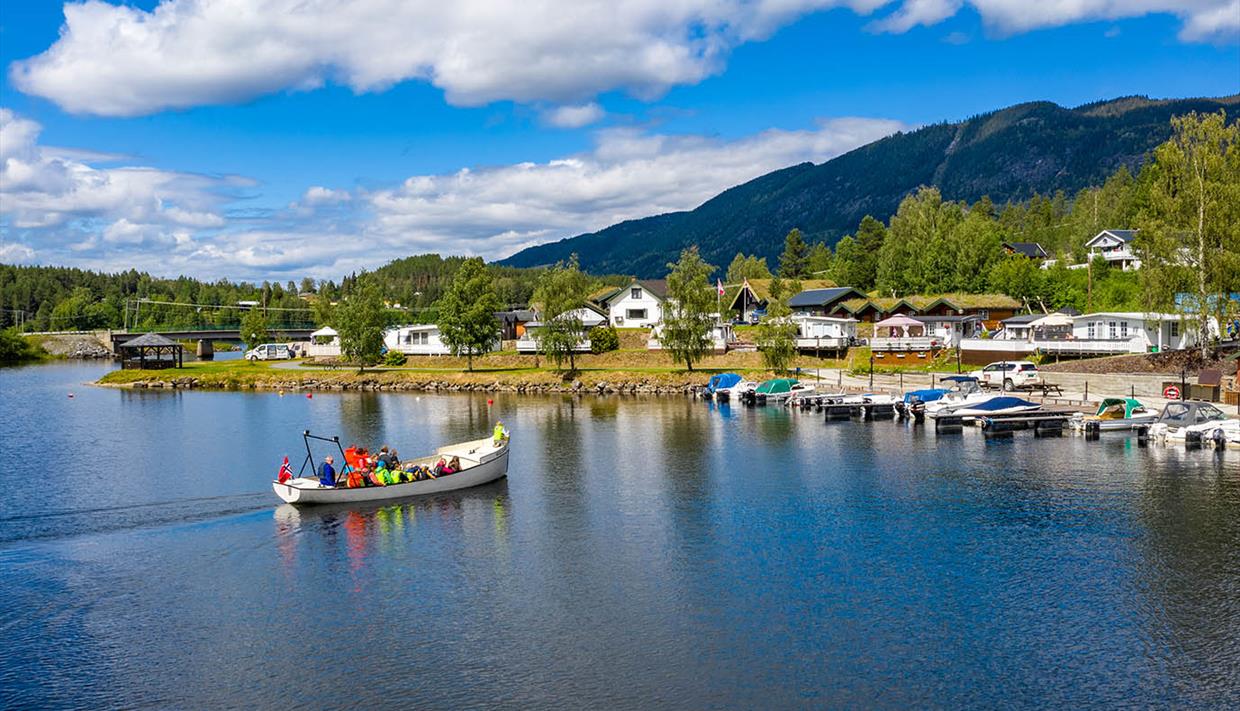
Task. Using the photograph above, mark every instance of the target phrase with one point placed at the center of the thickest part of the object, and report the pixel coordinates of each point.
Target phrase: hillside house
(590, 317)
(751, 300)
(821, 302)
(1115, 246)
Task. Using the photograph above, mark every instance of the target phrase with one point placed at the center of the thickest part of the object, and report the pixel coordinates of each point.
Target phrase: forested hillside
(1037, 151)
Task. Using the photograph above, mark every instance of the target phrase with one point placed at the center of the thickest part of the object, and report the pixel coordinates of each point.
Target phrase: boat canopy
(959, 379)
(927, 395)
(1113, 406)
(776, 386)
(1189, 412)
(1001, 403)
(722, 380)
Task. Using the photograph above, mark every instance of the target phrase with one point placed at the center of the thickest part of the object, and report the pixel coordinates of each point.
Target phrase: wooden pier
(1043, 423)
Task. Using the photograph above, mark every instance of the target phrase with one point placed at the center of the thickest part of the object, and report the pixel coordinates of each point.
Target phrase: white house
(827, 333)
(1102, 333)
(638, 305)
(1138, 331)
(1115, 246)
(324, 343)
(528, 342)
(417, 339)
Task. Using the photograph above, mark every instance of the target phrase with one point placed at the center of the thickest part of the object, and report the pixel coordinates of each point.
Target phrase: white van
(269, 351)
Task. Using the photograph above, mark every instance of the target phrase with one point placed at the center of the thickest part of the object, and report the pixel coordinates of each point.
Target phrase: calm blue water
(642, 553)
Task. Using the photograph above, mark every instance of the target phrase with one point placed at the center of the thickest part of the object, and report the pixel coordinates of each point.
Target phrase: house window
(1123, 329)
(639, 314)
(1112, 330)
(1175, 329)
(1092, 331)
(635, 293)
(983, 314)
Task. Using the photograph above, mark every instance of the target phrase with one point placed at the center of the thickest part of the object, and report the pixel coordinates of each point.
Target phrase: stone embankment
(79, 346)
(575, 387)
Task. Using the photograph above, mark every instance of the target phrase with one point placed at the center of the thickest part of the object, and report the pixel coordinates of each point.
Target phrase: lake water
(641, 553)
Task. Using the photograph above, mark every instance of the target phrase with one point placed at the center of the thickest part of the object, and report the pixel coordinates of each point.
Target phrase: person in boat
(356, 479)
(439, 467)
(453, 467)
(500, 434)
(390, 476)
(384, 456)
(393, 460)
(375, 477)
(327, 473)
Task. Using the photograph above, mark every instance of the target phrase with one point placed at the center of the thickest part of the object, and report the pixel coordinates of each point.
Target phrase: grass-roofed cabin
(151, 351)
(753, 295)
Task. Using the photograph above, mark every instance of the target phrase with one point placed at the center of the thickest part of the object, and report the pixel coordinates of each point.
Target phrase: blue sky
(260, 143)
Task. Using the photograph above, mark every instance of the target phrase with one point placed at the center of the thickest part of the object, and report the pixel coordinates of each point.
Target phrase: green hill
(1009, 155)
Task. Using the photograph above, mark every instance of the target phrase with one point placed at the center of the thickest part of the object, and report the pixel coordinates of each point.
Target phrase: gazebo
(909, 327)
(151, 351)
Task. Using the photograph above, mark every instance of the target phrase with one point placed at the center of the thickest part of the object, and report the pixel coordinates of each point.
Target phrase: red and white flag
(286, 472)
(719, 286)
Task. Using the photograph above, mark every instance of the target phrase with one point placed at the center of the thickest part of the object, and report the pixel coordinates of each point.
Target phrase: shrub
(394, 358)
(604, 339)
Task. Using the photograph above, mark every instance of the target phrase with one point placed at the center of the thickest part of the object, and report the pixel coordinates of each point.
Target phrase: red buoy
(489, 401)
(310, 395)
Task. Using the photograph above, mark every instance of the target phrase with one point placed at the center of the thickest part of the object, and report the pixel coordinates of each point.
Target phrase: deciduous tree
(467, 322)
(560, 295)
(688, 313)
(360, 322)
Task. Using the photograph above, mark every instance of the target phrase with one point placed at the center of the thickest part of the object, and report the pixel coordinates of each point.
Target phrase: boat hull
(492, 465)
(1118, 425)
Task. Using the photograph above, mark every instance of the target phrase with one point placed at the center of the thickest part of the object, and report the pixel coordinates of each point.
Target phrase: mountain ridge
(1007, 154)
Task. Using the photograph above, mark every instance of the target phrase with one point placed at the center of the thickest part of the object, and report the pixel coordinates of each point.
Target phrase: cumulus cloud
(1203, 20)
(73, 213)
(120, 60)
(574, 116)
(628, 174)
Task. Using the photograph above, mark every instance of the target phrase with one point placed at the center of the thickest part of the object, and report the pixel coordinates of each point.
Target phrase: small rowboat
(482, 462)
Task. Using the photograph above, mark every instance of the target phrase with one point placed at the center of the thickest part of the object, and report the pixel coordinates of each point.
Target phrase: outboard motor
(1143, 436)
(1192, 440)
(1093, 430)
(1219, 438)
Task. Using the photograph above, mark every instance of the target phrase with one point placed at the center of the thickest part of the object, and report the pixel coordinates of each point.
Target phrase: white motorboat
(1116, 414)
(963, 391)
(1194, 421)
(482, 462)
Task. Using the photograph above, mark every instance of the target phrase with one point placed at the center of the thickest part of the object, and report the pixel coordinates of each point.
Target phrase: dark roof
(658, 287)
(1022, 319)
(1125, 235)
(149, 339)
(1068, 310)
(1033, 250)
(823, 297)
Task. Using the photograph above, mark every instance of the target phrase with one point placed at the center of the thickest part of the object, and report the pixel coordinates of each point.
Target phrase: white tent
(1051, 320)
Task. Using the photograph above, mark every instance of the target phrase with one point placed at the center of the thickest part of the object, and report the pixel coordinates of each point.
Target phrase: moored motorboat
(963, 391)
(727, 386)
(1194, 421)
(1116, 413)
(482, 462)
(997, 405)
(778, 390)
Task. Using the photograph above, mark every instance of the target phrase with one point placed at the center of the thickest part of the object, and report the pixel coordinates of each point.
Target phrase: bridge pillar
(206, 349)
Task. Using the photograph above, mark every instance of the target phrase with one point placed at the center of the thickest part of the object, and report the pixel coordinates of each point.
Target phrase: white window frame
(635, 314)
(635, 293)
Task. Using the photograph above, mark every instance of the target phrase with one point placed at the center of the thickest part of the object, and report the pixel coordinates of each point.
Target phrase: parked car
(1009, 375)
(269, 351)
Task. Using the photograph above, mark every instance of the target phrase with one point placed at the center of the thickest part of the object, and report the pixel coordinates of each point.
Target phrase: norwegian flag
(719, 286)
(286, 472)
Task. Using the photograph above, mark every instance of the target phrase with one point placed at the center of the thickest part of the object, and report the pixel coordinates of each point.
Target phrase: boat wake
(109, 519)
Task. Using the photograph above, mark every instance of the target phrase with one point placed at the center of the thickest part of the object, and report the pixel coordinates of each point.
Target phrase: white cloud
(629, 173)
(318, 195)
(14, 253)
(574, 116)
(119, 60)
(1203, 20)
(72, 213)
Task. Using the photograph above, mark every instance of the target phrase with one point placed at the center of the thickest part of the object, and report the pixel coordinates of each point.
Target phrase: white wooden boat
(482, 462)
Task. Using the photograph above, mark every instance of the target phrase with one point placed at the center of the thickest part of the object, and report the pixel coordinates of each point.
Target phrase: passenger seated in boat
(393, 460)
(439, 467)
(453, 467)
(327, 473)
(390, 476)
(375, 477)
(356, 479)
(352, 456)
(384, 456)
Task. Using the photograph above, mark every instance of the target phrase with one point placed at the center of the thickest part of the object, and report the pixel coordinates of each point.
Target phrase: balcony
(912, 343)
